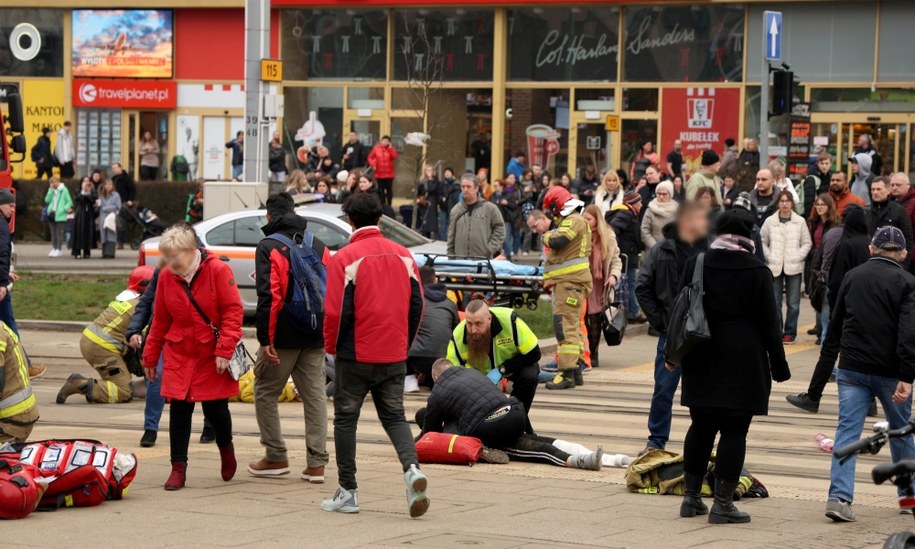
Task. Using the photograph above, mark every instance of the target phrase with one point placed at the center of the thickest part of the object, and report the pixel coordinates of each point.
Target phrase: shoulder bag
(688, 325)
(239, 363)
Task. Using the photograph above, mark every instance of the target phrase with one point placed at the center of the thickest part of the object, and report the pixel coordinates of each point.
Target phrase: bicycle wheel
(900, 540)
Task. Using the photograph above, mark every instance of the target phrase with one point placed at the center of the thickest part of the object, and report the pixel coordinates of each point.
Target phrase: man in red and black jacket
(371, 315)
(286, 348)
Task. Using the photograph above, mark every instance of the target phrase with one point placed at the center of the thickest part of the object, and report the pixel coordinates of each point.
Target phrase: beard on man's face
(478, 347)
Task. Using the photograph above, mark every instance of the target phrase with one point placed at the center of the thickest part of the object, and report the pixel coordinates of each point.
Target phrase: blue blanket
(502, 267)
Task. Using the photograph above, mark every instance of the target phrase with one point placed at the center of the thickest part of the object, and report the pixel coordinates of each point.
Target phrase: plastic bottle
(825, 443)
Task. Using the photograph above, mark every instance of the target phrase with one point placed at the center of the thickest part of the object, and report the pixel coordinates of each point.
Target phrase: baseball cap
(889, 238)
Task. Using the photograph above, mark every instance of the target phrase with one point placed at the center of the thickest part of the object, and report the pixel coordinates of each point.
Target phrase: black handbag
(688, 325)
(132, 360)
(817, 290)
(613, 319)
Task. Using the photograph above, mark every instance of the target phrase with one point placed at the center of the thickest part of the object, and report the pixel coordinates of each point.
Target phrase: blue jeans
(443, 216)
(791, 284)
(8, 318)
(155, 402)
(236, 170)
(633, 309)
(662, 400)
(825, 313)
(512, 242)
(855, 393)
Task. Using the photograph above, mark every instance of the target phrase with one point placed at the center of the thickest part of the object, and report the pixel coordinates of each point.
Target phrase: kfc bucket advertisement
(702, 118)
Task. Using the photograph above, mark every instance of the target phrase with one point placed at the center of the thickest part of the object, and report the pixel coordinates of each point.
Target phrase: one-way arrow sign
(772, 27)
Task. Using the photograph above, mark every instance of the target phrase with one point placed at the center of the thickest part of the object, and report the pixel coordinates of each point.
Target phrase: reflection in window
(640, 99)
(300, 133)
(539, 127)
(248, 231)
(563, 44)
(684, 44)
(332, 237)
(334, 44)
(436, 45)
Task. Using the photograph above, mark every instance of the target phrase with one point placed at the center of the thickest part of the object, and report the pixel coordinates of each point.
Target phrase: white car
(233, 238)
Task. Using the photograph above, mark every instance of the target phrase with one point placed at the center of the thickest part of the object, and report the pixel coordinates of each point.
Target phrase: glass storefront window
(301, 133)
(684, 43)
(539, 127)
(640, 99)
(896, 62)
(365, 98)
(334, 44)
(635, 133)
(436, 45)
(563, 44)
(50, 58)
(863, 100)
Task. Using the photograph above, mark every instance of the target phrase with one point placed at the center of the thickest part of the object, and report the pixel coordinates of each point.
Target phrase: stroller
(152, 226)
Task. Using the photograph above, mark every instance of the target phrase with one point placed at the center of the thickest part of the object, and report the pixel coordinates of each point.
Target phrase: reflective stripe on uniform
(102, 339)
(18, 403)
(112, 393)
(570, 266)
(568, 349)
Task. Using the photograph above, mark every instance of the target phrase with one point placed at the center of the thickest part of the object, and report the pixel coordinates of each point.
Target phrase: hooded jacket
(657, 216)
(625, 224)
(273, 280)
(440, 318)
(851, 251)
(659, 277)
(861, 184)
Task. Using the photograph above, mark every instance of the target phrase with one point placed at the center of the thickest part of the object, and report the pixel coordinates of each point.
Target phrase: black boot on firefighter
(76, 384)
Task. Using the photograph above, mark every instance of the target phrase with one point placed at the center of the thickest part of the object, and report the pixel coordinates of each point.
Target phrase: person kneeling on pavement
(498, 343)
(464, 402)
(103, 345)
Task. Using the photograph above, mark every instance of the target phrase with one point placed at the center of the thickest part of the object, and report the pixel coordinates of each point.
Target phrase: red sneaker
(788, 340)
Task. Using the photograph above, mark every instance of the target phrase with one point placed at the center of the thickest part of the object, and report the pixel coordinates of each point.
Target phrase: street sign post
(771, 51)
(271, 70)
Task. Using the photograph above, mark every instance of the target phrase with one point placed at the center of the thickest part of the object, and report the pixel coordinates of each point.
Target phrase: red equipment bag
(19, 492)
(81, 473)
(448, 449)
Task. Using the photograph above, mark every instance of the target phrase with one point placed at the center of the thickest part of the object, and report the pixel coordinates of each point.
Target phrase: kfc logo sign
(702, 108)
(128, 94)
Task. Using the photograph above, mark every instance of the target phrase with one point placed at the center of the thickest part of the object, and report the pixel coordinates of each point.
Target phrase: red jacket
(382, 159)
(374, 300)
(187, 343)
(908, 202)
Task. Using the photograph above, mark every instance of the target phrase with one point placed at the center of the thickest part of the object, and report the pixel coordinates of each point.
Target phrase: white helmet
(572, 205)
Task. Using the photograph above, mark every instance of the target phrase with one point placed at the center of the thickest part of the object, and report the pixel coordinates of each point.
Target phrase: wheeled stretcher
(505, 283)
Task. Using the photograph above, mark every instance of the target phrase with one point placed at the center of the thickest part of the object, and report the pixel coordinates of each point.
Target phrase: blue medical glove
(494, 375)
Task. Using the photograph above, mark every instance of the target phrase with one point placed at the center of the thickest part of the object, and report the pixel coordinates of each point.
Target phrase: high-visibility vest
(511, 337)
(17, 402)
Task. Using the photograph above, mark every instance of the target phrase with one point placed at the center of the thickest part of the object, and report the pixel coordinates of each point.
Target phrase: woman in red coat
(195, 362)
(382, 158)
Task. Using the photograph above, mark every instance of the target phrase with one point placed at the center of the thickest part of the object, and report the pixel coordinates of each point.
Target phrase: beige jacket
(656, 216)
(785, 245)
(478, 232)
(703, 179)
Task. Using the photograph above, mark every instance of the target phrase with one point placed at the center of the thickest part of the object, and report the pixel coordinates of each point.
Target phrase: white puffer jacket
(785, 245)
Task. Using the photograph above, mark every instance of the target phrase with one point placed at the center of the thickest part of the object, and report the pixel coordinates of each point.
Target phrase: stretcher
(505, 283)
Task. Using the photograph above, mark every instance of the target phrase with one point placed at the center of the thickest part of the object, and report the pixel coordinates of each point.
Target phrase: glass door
(593, 147)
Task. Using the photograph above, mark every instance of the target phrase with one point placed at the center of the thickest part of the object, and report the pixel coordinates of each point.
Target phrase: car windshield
(398, 233)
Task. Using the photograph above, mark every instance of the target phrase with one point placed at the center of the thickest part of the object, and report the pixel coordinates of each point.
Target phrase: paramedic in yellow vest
(567, 271)
(104, 345)
(495, 341)
(18, 408)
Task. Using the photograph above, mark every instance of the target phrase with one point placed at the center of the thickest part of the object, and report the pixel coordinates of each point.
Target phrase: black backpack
(688, 325)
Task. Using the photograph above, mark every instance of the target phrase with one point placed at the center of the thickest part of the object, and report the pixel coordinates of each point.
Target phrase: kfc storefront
(112, 116)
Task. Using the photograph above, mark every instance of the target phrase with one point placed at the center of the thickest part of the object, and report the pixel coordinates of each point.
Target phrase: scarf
(195, 266)
(734, 243)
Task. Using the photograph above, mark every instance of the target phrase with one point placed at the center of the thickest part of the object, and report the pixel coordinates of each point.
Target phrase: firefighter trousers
(569, 300)
(114, 383)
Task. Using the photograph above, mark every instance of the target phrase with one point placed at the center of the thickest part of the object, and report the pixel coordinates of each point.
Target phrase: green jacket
(62, 207)
(512, 339)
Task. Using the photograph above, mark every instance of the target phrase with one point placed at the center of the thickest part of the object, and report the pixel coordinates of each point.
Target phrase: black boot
(723, 510)
(565, 379)
(692, 497)
(579, 378)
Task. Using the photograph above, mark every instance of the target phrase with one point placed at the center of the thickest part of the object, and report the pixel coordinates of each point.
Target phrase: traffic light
(782, 91)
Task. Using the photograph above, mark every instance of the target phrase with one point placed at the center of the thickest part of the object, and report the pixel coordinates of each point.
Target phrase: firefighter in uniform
(103, 346)
(567, 271)
(18, 408)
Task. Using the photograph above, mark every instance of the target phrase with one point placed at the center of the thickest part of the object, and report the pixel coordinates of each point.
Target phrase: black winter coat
(873, 322)
(628, 234)
(851, 251)
(6, 252)
(893, 214)
(659, 277)
(125, 187)
(733, 372)
(461, 399)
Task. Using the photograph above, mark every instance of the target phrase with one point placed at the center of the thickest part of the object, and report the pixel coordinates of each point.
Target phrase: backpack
(19, 490)
(80, 473)
(36, 153)
(688, 325)
(306, 307)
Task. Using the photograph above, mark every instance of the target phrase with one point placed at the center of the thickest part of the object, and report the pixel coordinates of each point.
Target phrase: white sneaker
(417, 500)
(51, 253)
(344, 501)
(410, 384)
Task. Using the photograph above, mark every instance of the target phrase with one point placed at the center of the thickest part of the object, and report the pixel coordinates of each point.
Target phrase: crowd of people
(636, 239)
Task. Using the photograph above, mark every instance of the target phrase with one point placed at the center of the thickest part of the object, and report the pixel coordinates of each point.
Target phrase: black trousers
(42, 171)
(700, 439)
(386, 190)
(421, 365)
(506, 433)
(66, 170)
(149, 173)
(180, 413)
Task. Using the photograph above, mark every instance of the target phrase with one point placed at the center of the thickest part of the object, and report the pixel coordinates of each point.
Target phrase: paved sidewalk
(33, 257)
(496, 506)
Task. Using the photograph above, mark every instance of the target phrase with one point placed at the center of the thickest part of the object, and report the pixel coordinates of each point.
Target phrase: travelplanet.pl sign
(125, 94)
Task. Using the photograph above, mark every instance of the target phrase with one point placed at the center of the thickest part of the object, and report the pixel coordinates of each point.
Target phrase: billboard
(125, 94)
(122, 43)
(702, 118)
